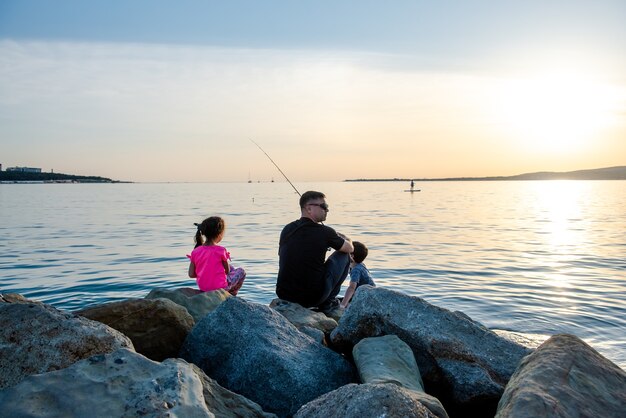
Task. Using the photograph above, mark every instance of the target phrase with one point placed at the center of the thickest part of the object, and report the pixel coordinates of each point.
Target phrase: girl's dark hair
(211, 228)
(360, 251)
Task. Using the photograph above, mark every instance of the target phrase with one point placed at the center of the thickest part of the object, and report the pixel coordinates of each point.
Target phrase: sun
(556, 111)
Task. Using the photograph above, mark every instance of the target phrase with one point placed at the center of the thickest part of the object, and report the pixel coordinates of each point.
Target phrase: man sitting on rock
(304, 276)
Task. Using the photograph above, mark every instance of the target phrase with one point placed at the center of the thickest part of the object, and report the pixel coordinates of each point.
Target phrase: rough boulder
(565, 377)
(124, 384)
(314, 324)
(371, 400)
(37, 338)
(388, 359)
(197, 303)
(157, 327)
(254, 351)
(462, 363)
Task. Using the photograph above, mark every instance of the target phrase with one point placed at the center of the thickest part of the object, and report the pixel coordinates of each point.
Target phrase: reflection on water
(558, 207)
(533, 257)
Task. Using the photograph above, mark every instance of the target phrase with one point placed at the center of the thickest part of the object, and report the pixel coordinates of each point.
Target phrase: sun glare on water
(558, 210)
(556, 112)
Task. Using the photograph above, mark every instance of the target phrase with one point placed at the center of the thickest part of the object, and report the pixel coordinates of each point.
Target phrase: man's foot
(329, 306)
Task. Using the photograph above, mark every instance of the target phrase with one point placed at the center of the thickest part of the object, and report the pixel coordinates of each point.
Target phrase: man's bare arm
(347, 246)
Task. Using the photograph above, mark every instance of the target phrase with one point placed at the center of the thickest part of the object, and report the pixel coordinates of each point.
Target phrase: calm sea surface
(537, 257)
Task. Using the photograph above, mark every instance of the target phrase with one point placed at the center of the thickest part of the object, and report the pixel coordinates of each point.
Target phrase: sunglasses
(324, 206)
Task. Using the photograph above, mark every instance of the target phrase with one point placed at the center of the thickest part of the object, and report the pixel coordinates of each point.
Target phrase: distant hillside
(608, 173)
(51, 177)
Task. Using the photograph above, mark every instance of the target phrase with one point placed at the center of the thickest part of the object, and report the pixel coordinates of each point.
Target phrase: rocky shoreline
(184, 353)
(21, 177)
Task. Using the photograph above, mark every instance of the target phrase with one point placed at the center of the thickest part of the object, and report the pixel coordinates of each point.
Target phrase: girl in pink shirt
(210, 263)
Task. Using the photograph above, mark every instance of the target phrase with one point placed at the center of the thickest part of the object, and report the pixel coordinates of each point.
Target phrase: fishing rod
(281, 172)
(276, 165)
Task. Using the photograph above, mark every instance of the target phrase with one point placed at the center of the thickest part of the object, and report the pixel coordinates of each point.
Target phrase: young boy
(359, 274)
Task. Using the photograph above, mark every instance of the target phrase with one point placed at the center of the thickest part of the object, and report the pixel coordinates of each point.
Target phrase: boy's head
(360, 252)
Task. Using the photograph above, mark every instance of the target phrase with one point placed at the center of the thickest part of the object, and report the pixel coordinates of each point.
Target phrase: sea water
(536, 257)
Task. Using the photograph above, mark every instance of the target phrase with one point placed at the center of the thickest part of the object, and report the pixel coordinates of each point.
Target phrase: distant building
(24, 169)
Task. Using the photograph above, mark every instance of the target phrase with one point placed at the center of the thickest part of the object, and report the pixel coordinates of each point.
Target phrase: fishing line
(281, 172)
(276, 165)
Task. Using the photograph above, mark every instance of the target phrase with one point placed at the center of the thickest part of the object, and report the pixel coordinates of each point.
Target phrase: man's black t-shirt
(302, 253)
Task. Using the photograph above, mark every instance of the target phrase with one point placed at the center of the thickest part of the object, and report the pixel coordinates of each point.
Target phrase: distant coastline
(9, 177)
(607, 173)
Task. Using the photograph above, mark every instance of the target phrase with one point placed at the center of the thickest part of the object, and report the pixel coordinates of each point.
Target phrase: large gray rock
(124, 384)
(157, 327)
(37, 338)
(565, 377)
(315, 333)
(224, 403)
(197, 303)
(388, 359)
(303, 318)
(253, 350)
(371, 400)
(16, 298)
(461, 362)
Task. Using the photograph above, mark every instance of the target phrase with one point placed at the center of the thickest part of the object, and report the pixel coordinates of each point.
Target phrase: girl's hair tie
(197, 225)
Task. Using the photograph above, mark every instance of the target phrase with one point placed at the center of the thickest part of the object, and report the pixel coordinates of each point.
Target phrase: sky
(175, 91)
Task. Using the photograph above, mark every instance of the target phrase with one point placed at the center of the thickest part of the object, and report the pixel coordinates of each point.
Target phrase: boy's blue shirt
(360, 275)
